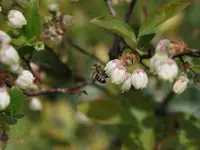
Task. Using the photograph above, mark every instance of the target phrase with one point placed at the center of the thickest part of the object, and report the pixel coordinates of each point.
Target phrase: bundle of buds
(165, 67)
(55, 25)
(118, 73)
(10, 58)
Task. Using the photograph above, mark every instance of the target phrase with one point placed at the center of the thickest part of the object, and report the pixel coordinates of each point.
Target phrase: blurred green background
(60, 126)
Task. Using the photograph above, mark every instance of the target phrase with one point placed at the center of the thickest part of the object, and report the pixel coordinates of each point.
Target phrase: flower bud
(180, 84)
(163, 46)
(111, 65)
(9, 56)
(156, 60)
(117, 75)
(127, 82)
(4, 38)
(35, 104)
(53, 7)
(16, 19)
(139, 79)
(4, 99)
(16, 68)
(168, 70)
(25, 79)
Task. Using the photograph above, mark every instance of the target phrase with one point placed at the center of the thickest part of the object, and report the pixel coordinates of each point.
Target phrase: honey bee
(98, 73)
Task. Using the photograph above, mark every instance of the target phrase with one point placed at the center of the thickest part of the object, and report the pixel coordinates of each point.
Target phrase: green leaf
(116, 25)
(107, 112)
(25, 50)
(160, 15)
(17, 101)
(33, 27)
(20, 131)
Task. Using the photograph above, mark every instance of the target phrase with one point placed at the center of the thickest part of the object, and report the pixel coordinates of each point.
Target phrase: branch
(83, 51)
(111, 9)
(115, 51)
(161, 109)
(18, 4)
(72, 90)
(191, 53)
(129, 11)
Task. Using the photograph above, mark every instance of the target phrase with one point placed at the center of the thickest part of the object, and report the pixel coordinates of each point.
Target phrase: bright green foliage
(33, 27)
(160, 15)
(116, 25)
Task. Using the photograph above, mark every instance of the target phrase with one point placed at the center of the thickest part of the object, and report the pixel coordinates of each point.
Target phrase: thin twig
(115, 51)
(129, 11)
(71, 90)
(18, 4)
(191, 53)
(111, 9)
(83, 51)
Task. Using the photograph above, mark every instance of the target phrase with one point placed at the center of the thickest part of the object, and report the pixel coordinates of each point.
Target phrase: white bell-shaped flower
(117, 74)
(4, 99)
(180, 84)
(168, 70)
(156, 61)
(111, 65)
(139, 79)
(127, 82)
(4, 38)
(16, 19)
(25, 79)
(16, 68)
(35, 104)
(163, 46)
(9, 56)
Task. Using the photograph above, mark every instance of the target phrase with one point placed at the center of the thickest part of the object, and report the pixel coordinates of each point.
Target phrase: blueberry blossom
(25, 80)
(118, 74)
(4, 98)
(111, 65)
(4, 38)
(127, 82)
(180, 84)
(35, 104)
(9, 56)
(168, 70)
(139, 79)
(16, 19)
(156, 61)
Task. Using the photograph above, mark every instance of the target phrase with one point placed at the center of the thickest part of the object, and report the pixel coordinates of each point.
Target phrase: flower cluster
(10, 57)
(165, 67)
(55, 25)
(119, 75)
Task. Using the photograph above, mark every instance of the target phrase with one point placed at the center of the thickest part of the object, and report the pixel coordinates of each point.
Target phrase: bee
(98, 73)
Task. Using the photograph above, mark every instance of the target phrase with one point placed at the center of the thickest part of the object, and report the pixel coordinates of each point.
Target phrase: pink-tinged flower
(180, 84)
(4, 38)
(168, 70)
(16, 19)
(163, 46)
(139, 79)
(9, 56)
(127, 82)
(117, 74)
(25, 80)
(5, 98)
(156, 61)
(111, 65)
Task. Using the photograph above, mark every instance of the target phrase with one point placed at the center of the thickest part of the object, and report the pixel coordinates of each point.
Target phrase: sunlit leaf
(160, 15)
(117, 25)
(16, 105)
(33, 27)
